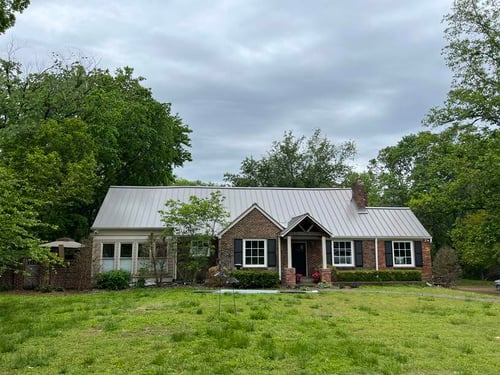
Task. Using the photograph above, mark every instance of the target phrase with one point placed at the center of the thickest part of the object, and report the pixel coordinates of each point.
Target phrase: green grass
(373, 330)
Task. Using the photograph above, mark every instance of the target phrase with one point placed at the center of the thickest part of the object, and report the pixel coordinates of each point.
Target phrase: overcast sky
(242, 72)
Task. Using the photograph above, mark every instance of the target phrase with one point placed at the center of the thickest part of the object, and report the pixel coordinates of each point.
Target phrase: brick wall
(253, 225)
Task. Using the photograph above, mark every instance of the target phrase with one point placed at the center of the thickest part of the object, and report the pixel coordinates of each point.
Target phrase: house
(290, 230)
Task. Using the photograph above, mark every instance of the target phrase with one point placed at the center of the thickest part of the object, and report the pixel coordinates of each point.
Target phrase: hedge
(256, 279)
(375, 276)
(113, 280)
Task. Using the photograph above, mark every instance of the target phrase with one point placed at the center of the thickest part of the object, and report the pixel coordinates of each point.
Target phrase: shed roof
(133, 207)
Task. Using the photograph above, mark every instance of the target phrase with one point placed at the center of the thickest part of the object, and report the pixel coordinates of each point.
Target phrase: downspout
(376, 254)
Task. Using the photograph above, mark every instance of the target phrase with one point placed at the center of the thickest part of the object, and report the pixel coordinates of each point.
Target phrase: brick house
(290, 230)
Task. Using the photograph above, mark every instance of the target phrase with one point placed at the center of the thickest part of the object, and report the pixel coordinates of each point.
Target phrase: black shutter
(388, 254)
(358, 247)
(419, 259)
(238, 251)
(329, 252)
(271, 253)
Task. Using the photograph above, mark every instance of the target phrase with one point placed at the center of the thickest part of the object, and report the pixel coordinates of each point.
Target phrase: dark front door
(299, 257)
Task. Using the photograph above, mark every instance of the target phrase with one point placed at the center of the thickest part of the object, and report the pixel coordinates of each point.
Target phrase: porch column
(323, 251)
(289, 251)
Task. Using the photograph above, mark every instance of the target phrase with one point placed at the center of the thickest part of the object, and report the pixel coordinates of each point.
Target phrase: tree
(72, 130)
(297, 162)
(444, 177)
(193, 226)
(18, 220)
(473, 54)
(477, 239)
(7, 10)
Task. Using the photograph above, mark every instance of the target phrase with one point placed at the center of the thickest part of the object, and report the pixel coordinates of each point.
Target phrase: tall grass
(363, 331)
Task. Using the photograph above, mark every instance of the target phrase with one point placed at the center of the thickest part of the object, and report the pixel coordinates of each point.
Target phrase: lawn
(393, 330)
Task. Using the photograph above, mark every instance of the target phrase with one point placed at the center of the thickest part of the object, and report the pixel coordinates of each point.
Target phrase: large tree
(450, 179)
(72, 130)
(8, 8)
(473, 54)
(297, 162)
(19, 222)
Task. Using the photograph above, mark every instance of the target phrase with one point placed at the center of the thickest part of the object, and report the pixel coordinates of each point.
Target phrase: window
(403, 253)
(126, 256)
(200, 248)
(143, 250)
(108, 256)
(254, 253)
(342, 253)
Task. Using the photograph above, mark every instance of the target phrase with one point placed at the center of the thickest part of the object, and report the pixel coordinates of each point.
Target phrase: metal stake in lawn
(221, 275)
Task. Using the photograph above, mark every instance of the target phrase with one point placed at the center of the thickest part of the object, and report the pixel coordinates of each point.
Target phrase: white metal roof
(133, 207)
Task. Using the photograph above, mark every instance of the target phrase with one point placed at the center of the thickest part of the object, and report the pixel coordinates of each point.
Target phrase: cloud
(240, 73)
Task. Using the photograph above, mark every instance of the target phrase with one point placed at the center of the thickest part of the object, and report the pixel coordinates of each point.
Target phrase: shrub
(113, 280)
(446, 269)
(379, 276)
(256, 279)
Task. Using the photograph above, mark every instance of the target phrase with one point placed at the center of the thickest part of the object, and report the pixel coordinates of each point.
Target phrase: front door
(299, 257)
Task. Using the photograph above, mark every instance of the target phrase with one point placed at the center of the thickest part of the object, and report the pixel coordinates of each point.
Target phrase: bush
(113, 280)
(256, 279)
(379, 276)
(446, 269)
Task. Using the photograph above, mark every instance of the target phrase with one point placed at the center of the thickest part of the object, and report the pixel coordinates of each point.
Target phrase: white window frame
(136, 261)
(245, 264)
(199, 248)
(352, 254)
(126, 260)
(412, 254)
(112, 259)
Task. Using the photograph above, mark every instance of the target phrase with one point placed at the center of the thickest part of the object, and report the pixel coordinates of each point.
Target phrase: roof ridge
(224, 187)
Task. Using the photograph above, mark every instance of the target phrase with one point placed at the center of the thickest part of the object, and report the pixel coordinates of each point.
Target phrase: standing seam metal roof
(133, 207)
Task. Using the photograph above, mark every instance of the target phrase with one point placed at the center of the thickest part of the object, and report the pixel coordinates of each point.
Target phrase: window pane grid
(254, 252)
(342, 253)
(402, 253)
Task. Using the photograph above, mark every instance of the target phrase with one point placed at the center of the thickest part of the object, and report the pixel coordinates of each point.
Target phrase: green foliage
(19, 222)
(450, 179)
(445, 267)
(198, 217)
(378, 276)
(195, 221)
(7, 10)
(256, 279)
(447, 179)
(71, 131)
(473, 36)
(113, 280)
(297, 162)
(477, 240)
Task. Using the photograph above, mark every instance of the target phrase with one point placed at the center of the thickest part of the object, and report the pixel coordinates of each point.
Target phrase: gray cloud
(240, 73)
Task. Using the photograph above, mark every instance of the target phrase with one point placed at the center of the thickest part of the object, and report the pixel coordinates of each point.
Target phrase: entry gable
(245, 213)
(307, 225)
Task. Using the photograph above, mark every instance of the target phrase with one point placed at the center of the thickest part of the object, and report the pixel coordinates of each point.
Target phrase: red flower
(316, 275)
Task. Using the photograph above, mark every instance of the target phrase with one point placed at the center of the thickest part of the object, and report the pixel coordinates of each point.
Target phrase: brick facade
(253, 225)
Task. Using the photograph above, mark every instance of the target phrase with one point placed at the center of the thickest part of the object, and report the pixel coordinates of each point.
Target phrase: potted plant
(316, 276)
(298, 276)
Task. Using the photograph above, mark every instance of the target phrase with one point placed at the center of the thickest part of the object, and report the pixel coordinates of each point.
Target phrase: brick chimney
(359, 195)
